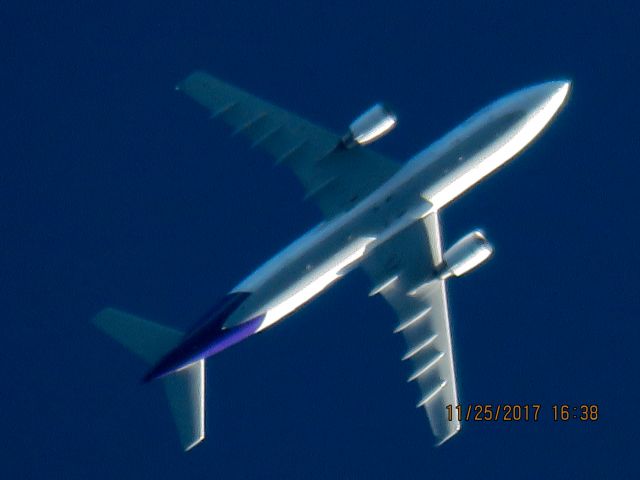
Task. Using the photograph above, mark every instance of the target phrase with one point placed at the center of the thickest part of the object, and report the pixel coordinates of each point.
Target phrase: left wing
(404, 272)
(334, 177)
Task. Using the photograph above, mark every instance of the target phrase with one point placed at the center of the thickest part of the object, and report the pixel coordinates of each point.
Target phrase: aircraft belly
(318, 279)
(299, 279)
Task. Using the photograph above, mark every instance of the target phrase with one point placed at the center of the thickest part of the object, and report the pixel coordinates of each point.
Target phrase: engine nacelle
(469, 252)
(370, 126)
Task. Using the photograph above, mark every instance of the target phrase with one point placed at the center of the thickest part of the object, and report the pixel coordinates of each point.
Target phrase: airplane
(381, 216)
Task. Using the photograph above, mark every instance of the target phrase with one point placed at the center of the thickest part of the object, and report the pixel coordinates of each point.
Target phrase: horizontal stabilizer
(148, 340)
(184, 387)
(185, 391)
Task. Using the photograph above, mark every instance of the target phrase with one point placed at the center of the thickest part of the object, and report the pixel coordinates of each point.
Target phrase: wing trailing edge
(418, 295)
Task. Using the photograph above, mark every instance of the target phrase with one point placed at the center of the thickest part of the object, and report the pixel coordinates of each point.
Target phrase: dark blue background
(115, 190)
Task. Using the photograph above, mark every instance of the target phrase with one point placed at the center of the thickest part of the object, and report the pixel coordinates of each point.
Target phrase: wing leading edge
(403, 270)
(334, 177)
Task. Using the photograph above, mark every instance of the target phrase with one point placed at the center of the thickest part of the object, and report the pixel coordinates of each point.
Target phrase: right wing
(334, 177)
(403, 270)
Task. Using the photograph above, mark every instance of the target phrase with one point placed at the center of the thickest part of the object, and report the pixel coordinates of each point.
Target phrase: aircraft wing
(334, 177)
(402, 270)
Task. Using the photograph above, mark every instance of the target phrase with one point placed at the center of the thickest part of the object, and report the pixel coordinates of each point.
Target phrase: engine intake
(370, 126)
(466, 254)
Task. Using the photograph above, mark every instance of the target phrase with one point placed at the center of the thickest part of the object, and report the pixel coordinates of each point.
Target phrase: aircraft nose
(540, 102)
(559, 89)
(549, 94)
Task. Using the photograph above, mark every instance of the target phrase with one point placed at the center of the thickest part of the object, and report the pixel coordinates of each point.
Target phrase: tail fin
(150, 341)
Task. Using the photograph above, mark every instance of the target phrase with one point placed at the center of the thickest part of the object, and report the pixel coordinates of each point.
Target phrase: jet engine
(370, 126)
(469, 252)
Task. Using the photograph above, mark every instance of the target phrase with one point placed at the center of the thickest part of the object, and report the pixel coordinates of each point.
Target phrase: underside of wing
(403, 271)
(334, 177)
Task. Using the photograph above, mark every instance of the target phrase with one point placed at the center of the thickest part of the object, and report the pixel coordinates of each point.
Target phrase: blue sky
(116, 190)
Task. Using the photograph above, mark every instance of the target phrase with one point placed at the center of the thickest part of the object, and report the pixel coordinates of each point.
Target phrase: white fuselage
(426, 183)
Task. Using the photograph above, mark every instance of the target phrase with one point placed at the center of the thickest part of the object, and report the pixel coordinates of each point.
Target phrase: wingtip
(101, 319)
(195, 443)
(180, 86)
(443, 440)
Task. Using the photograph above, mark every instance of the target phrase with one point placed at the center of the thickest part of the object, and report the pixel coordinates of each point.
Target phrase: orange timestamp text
(514, 412)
